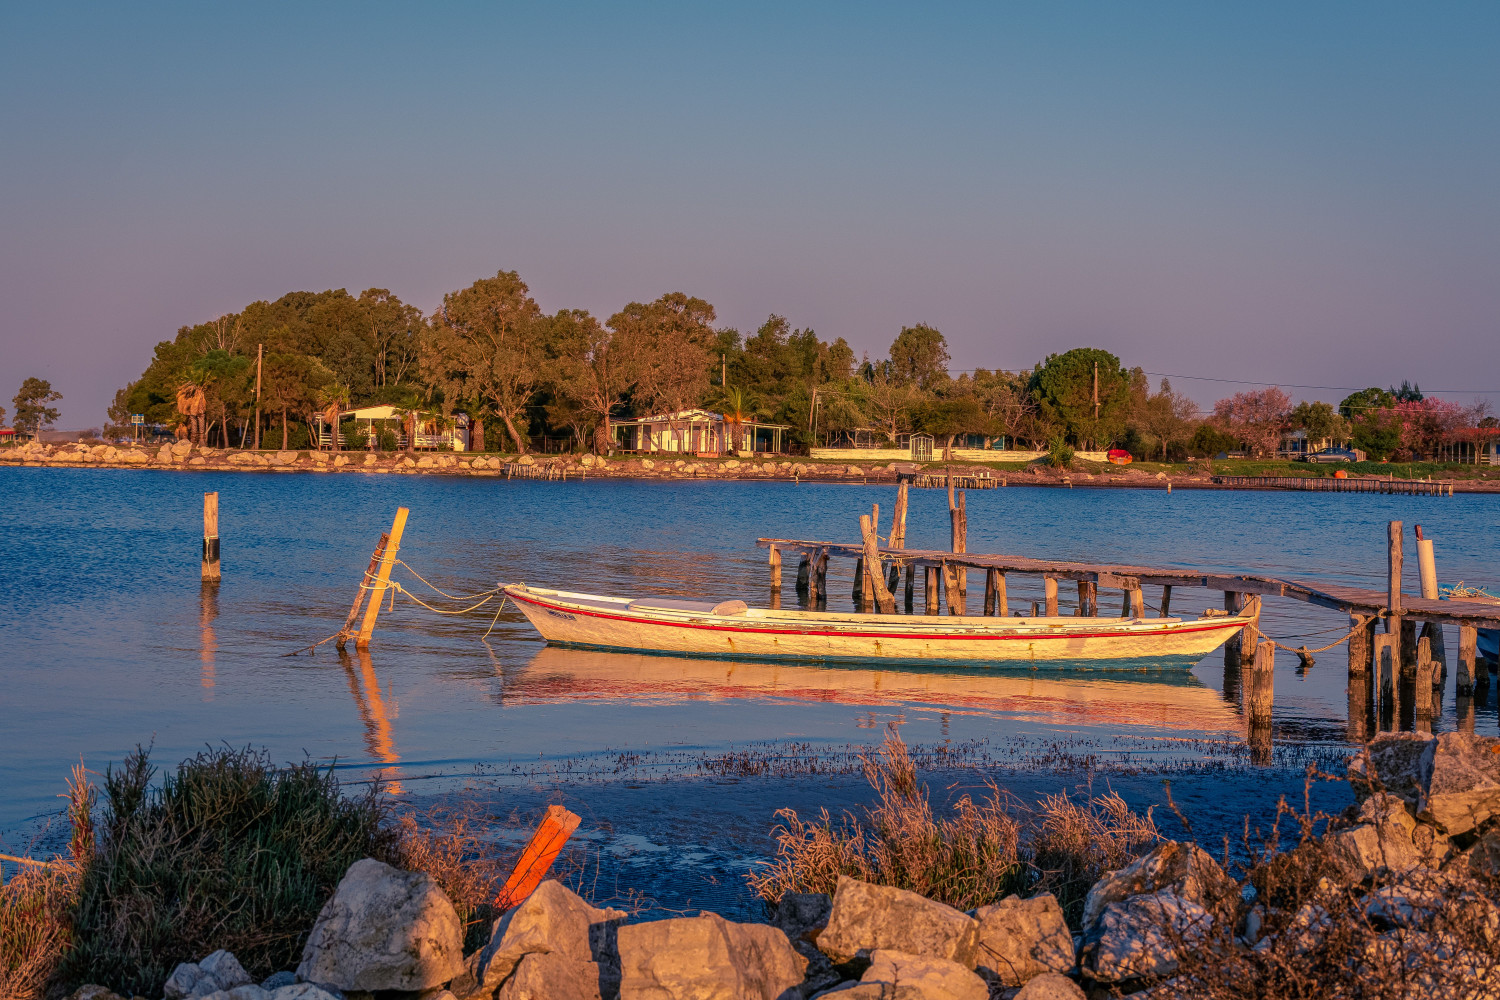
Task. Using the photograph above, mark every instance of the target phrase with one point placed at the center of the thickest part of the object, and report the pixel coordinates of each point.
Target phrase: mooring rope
(1304, 651)
(393, 587)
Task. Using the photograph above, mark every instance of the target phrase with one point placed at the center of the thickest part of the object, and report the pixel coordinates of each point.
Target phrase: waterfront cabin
(697, 432)
(434, 431)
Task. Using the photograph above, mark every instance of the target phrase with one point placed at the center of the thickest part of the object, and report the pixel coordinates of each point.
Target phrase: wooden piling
(861, 594)
(1166, 600)
(1408, 632)
(874, 582)
(1468, 655)
(1422, 701)
(1433, 633)
(1137, 602)
(541, 851)
(994, 584)
(803, 565)
(953, 587)
(1049, 589)
(1360, 705)
(931, 587)
(363, 592)
(898, 517)
(1387, 675)
(382, 579)
(211, 573)
(1262, 682)
(774, 562)
(1361, 644)
(911, 587)
(1394, 559)
(1426, 567)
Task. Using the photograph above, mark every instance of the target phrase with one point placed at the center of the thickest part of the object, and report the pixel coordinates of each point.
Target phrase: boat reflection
(1171, 700)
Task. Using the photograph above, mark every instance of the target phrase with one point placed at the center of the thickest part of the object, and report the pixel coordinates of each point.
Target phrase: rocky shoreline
(184, 456)
(1402, 887)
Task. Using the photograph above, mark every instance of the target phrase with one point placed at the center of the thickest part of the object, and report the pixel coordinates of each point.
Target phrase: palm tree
(192, 403)
(738, 407)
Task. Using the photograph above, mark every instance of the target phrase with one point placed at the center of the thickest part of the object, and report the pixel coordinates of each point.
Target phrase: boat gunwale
(858, 625)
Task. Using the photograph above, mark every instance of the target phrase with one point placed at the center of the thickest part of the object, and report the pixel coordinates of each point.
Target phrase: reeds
(982, 852)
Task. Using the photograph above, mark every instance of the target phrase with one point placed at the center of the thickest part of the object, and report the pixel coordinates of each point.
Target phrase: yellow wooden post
(382, 579)
(211, 573)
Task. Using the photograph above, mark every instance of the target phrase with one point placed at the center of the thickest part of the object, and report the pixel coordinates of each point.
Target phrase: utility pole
(723, 371)
(259, 352)
(813, 415)
(1096, 390)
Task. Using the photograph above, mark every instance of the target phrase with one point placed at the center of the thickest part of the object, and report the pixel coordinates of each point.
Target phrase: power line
(1284, 385)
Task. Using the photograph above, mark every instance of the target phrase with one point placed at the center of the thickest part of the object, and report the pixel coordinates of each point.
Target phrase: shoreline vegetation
(227, 871)
(1042, 471)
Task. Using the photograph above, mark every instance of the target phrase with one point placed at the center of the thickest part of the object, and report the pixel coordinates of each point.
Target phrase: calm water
(109, 640)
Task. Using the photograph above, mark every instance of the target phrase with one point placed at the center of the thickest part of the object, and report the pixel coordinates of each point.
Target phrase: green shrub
(387, 440)
(228, 852)
(1059, 453)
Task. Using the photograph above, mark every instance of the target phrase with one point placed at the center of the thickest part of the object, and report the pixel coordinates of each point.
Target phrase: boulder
(181, 449)
(277, 980)
(525, 460)
(551, 976)
(164, 454)
(855, 470)
(872, 991)
(647, 464)
(551, 921)
(1391, 763)
(1386, 837)
(1184, 870)
(304, 991)
(197, 460)
(732, 464)
(707, 958)
(339, 461)
(1020, 939)
(285, 457)
(802, 917)
(219, 972)
(384, 929)
(1483, 859)
(93, 991)
(1139, 936)
(247, 992)
(1460, 776)
(425, 462)
(319, 457)
(932, 978)
(867, 917)
(1050, 986)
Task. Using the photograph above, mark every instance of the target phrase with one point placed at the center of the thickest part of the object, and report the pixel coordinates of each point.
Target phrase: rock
(409, 462)
(551, 976)
(247, 992)
(220, 972)
(1390, 763)
(587, 461)
(647, 464)
(92, 991)
(181, 449)
(801, 917)
(197, 460)
(164, 453)
(868, 917)
(135, 457)
(285, 457)
(1460, 775)
(340, 461)
(1387, 837)
(1020, 939)
(1050, 986)
(707, 958)
(384, 929)
(932, 978)
(525, 460)
(304, 991)
(872, 991)
(732, 464)
(1138, 937)
(318, 456)
(855, 470)
(1483, 859)
(277, 980)
(552, 920)
(1185, 870)
(425, 462)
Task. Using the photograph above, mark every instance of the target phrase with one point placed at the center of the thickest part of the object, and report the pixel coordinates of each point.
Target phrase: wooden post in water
(1425, 676)
(363, 592)
(931, 587)
(874, 580)
(1468, 655)
(958, 520)
(898, 518)
(1232, 653)
(1408, 631)
(1360, 693)
(1262, 683)
(541, 851)
(1361, 644)
(803, 565)
(1387, 680)
(211, 538)
(1432, 632)
(861, 594)
(1137, 602)
(994, 581)
(953, 586)
(1088, 598)
(382, 579)
(774, 562)
(1049, 590)
(1393, 562)
(1166, 600)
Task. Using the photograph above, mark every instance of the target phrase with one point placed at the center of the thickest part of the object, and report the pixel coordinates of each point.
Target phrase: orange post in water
(545, 845)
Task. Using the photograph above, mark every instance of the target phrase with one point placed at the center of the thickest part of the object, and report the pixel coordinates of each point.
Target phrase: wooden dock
(942, 481)
(515, 470)
(1395, 678)
(1328, 484)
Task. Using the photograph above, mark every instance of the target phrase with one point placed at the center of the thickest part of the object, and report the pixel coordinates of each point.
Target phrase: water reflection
(1168, 699)
(380, 741)
(208, 643)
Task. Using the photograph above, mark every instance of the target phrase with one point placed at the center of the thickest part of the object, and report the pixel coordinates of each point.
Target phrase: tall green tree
(919, 355)
(1356, 404)
(487, 341)
(33, 409)
(1086, 392)
(671, 338)
(594, 368)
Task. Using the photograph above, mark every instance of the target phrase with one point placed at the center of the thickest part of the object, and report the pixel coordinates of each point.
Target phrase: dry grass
(36, 903)
(982, 852)
(448, 844)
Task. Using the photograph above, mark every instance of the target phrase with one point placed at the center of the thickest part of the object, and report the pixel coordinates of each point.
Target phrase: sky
(1294, 193)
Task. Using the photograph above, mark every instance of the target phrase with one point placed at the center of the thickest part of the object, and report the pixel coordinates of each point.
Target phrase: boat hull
(609, 623)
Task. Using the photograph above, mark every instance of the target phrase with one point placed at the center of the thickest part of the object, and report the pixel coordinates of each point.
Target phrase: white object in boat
(730, 628)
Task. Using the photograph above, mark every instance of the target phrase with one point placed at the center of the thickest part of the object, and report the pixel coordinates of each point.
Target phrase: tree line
(521, 375)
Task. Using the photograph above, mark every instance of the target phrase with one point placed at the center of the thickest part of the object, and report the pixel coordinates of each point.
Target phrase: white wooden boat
(730, 628)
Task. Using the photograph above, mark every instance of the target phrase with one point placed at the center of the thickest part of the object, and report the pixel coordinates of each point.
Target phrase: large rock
(802, 917)
(1023, 938)
(872, 991)
(1451, 781)
(1050, 986)
(181, 449)
(552, 920)
(932, 978)
(868, 917)
(551, 976)
(1184, 870)
(1139, 937)
(384, 929)
(1386, 838)
(219, 972)
(707, 958)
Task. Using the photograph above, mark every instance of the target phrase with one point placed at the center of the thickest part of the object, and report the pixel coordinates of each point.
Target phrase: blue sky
(1295, 193)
